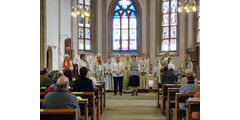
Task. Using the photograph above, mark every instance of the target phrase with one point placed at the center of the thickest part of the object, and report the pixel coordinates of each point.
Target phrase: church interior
(141, 56)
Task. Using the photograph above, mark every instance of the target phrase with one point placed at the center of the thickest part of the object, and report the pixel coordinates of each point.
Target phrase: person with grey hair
(60, 97)
(165, 58)
(117, 71)
(67, 63)
(98, 68)
(170, 76)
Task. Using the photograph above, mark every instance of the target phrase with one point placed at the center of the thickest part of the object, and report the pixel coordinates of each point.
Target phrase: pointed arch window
(124, 26)
(169, 26)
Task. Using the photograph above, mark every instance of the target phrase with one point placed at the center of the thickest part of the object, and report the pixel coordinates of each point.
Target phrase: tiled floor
(127, 107)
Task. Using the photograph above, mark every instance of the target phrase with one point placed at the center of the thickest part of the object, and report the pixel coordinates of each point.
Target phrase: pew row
(58, 114)
(170, 103)
(163, 97)
(180, 98)
(192, 106)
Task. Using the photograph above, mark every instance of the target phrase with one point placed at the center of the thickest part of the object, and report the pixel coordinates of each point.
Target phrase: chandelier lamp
(186, 6)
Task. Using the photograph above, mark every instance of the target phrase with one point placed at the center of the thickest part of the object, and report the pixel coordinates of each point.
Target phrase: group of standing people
(121, 75)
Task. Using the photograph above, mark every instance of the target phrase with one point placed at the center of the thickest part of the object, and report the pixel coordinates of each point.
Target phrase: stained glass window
(124, 26)
(84, 25)
(169, 26)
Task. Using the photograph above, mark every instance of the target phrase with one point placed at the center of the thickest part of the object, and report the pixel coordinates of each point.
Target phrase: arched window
(84, 25)
(124, 26)
(169, 26)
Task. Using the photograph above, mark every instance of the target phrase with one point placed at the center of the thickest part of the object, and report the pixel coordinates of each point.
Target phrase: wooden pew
(192, 106)
(91, 102)
(97, 99)
(58, 114)
(101, 86)
(164, 95)
(180, 98)
(83, 104)
(170, 103)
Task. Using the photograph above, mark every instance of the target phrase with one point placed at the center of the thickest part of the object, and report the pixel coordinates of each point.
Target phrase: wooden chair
(164, 95)
(179, 98)
(170, 103)
(58, 114)
(83, 104)
(192, 106)
(91, 103)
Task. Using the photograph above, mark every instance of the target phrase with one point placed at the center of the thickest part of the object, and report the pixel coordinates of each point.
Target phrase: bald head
(63, 82)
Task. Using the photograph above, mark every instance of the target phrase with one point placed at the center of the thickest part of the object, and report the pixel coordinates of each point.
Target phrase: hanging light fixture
(187, 6)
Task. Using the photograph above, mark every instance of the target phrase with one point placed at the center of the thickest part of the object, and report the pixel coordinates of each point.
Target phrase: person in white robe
(108, 75)
(83, 63)
(144, 70)
(156, 75)
(187, 65)
(165, 58)
(98, 69)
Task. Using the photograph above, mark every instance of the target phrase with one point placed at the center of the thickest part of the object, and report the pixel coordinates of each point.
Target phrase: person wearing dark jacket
(83, 84)
(60, 98)
(170, 76)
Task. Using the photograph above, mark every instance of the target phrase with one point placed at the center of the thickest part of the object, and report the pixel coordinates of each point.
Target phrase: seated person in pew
(184, 80)
(45, 81)
(190, 87)
(170, 76)
(68, 74)
(196, 115)
(60, 97)
(83, 84)
(53, 85)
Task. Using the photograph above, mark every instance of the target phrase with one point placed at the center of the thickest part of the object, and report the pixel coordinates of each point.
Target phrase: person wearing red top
(196, 115)
(67, 64)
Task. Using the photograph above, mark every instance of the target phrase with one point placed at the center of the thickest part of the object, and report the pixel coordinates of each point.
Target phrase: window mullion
(169, 26)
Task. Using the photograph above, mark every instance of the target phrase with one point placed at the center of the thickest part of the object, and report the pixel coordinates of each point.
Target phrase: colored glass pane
(132, 8)
(173, 45)
(87, 33)
(116, 44)
(165, 7)
(116, 34)
(173, 32)
(87, 2)
(87, 21)
(81, 44)
(133, 23)
(165, 21)
(173, 18)
(124, 3)
(174, 6)
(80, 21)
(116, 23)
(133, 34)
(117, 8)
(165, 33)
(124, 22)
(125, 44)
(165, 45)
(80, 34)
(125, 34)
(133, 45)
(87, 45)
